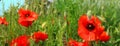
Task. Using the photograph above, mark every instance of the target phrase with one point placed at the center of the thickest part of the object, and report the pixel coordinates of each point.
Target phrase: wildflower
(3, 21)
(89, 29)
(26, 17)
(104, 37)
(37, 36)
(20, 41)
(75, 43)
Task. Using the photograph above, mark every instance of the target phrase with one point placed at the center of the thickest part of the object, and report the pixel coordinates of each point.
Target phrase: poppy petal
(20, 41)
(39, 36)
(104, 37)
(75, 43)
(85, 35)
(83, 20)
(25, 23)
(3, 21)
(96, 20)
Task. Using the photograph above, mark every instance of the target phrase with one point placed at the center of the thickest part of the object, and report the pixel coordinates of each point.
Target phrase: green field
(59, 19)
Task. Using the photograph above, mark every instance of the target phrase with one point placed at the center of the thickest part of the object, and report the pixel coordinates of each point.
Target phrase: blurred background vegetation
(60, 20)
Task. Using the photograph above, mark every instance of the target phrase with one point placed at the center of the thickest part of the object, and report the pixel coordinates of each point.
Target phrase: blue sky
(7, 4)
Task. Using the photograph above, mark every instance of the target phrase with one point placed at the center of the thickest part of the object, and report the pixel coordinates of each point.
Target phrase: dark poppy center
(90, 27)
(26, 15)
(2, 23)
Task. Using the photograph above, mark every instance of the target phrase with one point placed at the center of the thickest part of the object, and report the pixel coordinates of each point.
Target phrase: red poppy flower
(20, 41)
(26, 17)
(75, 43)
(3, 21)
(104, 37)
(37, 36)
(25, 22)
(89, 29)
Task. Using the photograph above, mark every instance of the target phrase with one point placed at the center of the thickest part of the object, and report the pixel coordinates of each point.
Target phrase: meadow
(59, 19)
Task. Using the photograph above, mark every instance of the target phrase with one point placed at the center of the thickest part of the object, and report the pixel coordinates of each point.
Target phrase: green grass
(57, 26)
